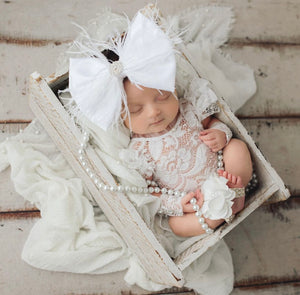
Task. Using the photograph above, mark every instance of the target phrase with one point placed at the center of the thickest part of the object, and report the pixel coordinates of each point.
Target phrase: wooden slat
(266, 21)
(265, 247)
(17, 62)
(274, 289)
(277, 95)
(277, 90)
(279, 140)
(10, 200)
(120, 212)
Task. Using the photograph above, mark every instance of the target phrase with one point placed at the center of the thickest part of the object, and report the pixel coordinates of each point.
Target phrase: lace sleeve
(202, 98)
(170, 205)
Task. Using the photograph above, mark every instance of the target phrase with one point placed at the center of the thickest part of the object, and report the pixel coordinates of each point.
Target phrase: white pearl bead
(37, 132)
(220, 164)
(80, 151)
(91, 175)
(153, 183)
(83, 164)
(157, 190)
(170, 192)
(105, 187)
(120, 188)
(112, 189)
(164, 190)
(80, 158)
(96, 181)
(193, 201)
(196, 207)
(134, 189)
(209, 231)
(140, 190)
(87, 170)
(198, 213)
(201, 220)
(149, 182)
(100, 185)
(151, 190)
(183, 194)
(204, 226)
(127, 188)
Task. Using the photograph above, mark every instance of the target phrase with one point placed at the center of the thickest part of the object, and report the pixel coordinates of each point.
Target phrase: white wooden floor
(265, 246)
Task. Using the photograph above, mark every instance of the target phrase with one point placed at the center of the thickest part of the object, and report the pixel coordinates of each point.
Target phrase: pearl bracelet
(200, 217)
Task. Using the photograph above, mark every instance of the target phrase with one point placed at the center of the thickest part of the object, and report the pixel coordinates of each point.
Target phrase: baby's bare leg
(237, 160)
(188, 225)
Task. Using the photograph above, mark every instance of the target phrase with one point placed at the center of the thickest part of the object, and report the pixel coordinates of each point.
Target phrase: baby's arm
(215, 134)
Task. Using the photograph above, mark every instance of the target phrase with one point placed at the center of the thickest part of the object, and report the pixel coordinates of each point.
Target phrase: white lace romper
(176, 158)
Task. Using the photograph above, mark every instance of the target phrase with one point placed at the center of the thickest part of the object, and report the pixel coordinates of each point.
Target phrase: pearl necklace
(152, 185)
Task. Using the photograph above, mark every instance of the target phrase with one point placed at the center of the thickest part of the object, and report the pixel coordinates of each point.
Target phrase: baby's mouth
(157, 122)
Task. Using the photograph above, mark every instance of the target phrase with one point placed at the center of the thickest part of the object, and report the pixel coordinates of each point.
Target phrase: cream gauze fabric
(75, 236)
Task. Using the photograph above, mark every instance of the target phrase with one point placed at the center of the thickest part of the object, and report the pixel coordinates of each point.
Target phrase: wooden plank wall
(266, 35)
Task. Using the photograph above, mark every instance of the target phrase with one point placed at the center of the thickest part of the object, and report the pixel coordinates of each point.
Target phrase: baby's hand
(213, 138)
(187, 207)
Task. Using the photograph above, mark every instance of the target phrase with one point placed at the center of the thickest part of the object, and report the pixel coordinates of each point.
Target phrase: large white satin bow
(146, 57)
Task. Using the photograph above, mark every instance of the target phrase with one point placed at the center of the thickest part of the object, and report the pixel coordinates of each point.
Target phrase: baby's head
(97, 89)
(149, 110)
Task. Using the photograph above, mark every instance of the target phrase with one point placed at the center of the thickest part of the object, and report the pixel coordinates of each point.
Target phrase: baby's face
(150, 111)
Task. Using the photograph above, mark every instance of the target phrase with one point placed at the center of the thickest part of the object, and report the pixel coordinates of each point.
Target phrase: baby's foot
(233, 181)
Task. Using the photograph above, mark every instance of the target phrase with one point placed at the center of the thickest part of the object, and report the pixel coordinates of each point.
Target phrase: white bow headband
(146, 57)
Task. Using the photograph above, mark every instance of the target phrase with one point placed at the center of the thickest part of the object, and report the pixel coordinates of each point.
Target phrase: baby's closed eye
(134, 109)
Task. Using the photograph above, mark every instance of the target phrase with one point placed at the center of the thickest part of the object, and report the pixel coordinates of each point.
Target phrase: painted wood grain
(10, 200)
(257, 21)
(16, 65)
(264, 249)
(279, 141)
(276, 69)
(274, 289)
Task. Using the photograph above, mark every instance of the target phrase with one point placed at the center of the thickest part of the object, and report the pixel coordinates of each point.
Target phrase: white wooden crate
(118, 209)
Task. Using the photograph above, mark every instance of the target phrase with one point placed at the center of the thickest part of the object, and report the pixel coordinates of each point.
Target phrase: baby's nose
(153, 111)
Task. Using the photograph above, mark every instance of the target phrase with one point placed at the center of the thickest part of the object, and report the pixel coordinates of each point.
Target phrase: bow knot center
(116, 68)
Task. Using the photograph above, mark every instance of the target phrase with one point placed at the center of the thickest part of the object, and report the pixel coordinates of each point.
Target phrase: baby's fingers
(186, 199)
